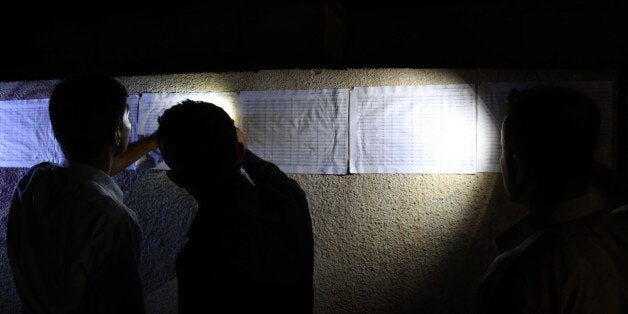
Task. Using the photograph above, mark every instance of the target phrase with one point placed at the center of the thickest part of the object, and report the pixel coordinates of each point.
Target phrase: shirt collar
(97, 176)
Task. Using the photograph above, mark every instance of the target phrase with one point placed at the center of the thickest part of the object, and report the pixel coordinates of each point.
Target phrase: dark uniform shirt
(576, 266)
(250, 246)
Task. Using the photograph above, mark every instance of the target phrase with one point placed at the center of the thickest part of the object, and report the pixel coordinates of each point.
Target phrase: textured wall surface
(384, 243)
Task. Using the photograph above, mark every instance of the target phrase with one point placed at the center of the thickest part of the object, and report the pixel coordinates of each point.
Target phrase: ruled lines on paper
(413, 129)
(26, 136)
(378, 129)
(301, 131)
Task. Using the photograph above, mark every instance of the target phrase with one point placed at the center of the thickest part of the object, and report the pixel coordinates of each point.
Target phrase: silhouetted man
(72, 243)
(250, 246)
(575, 257)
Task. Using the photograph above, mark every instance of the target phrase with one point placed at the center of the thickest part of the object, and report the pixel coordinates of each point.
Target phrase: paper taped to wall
(301, 131)
(392, 129)
(26, 136)
(413, 129)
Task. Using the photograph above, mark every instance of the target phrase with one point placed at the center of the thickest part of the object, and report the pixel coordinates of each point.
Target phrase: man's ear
(240, 150)
(173, 177)
(521, 167)
(117, 137)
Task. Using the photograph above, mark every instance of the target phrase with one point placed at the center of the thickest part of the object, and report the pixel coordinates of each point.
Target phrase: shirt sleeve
(267, 174)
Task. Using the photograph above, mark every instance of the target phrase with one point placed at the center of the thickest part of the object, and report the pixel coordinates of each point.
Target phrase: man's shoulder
(573, 256)
(94, 202)
(512, 270)
(621, 213)
(530, 255)
(42, 170)
(549, 246)
(286, 193)
(559, 249)
(108, 206)
(50, 193)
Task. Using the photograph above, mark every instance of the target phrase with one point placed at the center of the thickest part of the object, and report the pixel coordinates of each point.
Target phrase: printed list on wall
(385, 129)
(26, 136)
(413, 129)
(301, 131)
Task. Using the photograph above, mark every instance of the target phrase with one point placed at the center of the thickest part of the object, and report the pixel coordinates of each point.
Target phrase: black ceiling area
(47, 41)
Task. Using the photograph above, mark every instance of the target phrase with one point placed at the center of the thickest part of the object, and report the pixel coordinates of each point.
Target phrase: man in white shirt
(72, 243)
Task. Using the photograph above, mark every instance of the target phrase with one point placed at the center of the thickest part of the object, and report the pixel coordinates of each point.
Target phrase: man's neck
(224, 188)
(102, 162)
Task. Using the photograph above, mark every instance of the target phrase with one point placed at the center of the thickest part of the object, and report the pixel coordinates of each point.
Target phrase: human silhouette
(73, 245)
(250, 246)
(570, 253)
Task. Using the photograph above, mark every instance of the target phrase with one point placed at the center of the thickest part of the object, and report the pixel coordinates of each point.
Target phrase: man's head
(549, 137)
(89, 113)
(198, 142)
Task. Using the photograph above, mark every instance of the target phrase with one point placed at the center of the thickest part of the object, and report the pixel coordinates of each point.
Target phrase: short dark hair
(556, 129)
(85, 111)
(198, 139)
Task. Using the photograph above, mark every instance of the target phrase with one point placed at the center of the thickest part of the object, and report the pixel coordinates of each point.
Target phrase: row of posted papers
(453, 128)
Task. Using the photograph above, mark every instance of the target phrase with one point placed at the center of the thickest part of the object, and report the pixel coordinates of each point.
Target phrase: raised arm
(134, 152)
(259, 170)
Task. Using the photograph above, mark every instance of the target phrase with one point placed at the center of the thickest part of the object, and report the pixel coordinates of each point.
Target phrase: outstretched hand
(133, 152)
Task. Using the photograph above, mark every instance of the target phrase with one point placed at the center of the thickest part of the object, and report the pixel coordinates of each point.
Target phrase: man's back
(73, 245)
(250, 247)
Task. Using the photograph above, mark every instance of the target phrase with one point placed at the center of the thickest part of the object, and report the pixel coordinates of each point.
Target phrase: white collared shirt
(72, 243)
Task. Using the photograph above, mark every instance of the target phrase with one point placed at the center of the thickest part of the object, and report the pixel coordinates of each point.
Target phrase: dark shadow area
(144, 192)
(452, 281)
(48, 41)
(9, 300)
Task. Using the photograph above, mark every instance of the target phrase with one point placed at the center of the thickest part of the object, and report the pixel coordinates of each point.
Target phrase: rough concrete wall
(384, 243)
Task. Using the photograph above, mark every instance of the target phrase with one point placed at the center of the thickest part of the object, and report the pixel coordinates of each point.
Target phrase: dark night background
(48, 41)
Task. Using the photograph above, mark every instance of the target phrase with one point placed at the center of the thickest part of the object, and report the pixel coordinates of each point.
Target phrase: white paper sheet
(153, 105)
(301, 131)
(413, 129)
(492, 108)
(26, 136)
